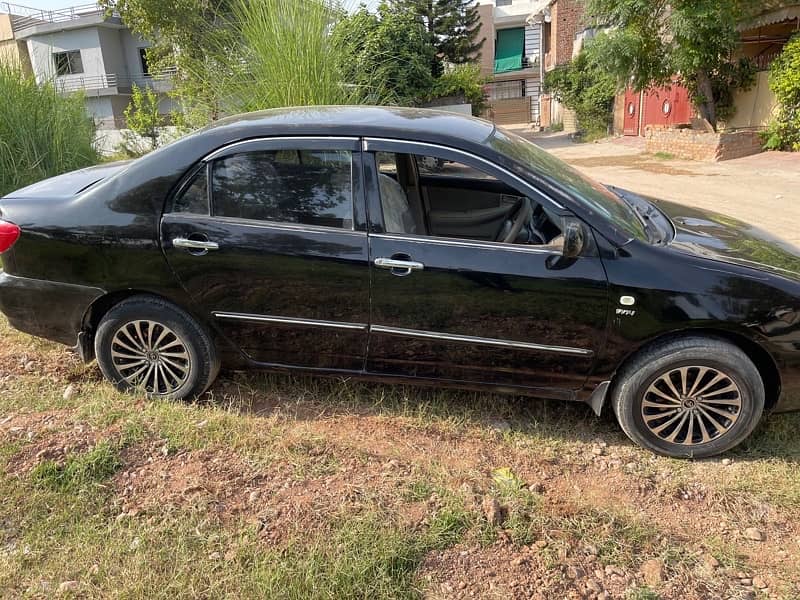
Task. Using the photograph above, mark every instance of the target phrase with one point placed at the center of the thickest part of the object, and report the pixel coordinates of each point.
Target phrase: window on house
(504, 2)
(308, 187)
(505, 90)
(509, 49)
(68, 63)
(143, 61)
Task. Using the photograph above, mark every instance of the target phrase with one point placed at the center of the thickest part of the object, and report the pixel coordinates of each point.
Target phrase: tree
(783, 132)
(693, 39)
(583, 85)
(453, 27)
(143, 118)
(189, 38)
(388, 55)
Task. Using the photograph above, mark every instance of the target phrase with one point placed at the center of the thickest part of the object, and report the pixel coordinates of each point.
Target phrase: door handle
(399, 267)
(190, 244)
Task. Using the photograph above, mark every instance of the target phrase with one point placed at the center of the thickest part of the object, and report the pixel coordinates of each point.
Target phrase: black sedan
(410, 246)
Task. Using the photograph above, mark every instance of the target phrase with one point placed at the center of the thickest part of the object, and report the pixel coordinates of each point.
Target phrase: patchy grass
(286, 487)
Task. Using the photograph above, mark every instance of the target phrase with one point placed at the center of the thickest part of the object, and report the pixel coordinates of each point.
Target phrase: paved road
(763, 190)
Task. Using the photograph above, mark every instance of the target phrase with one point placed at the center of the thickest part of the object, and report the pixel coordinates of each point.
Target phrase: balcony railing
(74, 83)
(26, 16)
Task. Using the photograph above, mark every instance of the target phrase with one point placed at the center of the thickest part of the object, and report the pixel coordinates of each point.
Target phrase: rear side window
(308, 187)
(194, 197)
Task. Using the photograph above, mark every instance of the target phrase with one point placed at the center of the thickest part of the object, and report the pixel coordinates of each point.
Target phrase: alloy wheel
(151, 356)
(691, 405)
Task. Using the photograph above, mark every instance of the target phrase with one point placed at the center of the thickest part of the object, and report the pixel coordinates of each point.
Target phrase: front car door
(469, 308)
(269, 239)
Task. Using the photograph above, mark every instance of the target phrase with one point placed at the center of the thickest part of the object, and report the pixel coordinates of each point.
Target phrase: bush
(42, 133)
(465, 81)
(783, 133)
(585, 87)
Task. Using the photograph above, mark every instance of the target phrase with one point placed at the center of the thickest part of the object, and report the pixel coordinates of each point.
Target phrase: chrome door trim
(469, 155)
(442, 241)
(266, 224)
(468, 339)
(288, 320)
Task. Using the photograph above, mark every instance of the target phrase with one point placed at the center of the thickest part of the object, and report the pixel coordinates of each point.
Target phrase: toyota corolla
(407, 246)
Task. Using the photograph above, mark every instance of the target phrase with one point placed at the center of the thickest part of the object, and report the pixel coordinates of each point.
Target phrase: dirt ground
(763, 190)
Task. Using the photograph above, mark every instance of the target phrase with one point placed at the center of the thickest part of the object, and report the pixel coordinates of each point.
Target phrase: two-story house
(512, 59)
(562, 25)
(85, 49)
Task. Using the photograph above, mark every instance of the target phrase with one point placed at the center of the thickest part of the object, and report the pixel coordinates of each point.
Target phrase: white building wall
(113, 57)
(41, 50)
(517, 8)
(130, 48)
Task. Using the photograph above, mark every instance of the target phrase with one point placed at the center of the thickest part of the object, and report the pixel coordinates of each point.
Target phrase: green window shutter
(509, 49)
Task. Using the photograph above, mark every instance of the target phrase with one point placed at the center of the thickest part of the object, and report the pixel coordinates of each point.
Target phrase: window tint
(462, 202)
(194, 198)
(309, 187)
(431, 165)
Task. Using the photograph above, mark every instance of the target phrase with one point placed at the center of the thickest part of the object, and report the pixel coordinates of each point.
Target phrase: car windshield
(595, 196)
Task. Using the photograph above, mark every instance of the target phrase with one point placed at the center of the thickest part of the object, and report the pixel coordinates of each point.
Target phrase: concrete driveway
(763, 190)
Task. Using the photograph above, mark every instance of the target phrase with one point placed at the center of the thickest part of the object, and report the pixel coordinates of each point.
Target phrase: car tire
(147, 344)
(716, 392)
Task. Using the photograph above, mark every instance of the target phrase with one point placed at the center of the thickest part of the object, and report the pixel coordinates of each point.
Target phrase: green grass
(79, 471)
(60, 521)
(42, 133)
(664, 155)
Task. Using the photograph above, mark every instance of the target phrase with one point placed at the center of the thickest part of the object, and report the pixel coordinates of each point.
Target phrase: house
(511, 59)
(85, 49)
(762, 40)
(563, 33)
(12, 50)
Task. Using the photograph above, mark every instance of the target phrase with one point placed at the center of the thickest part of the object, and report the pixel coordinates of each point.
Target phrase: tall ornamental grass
(42, 133)
(285, 57)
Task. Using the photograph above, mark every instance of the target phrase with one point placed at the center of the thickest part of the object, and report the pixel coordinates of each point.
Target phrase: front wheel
(689, 398)
(145, 343)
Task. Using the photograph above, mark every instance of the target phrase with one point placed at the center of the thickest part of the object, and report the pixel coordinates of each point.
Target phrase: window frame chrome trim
(444, 241)
(272, 224)
(282, 138)
(470, 155)
(418, 333)
(250, 318)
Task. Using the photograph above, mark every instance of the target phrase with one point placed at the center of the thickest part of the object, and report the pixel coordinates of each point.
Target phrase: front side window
(68, 63)
(429, 195)
(306, 187)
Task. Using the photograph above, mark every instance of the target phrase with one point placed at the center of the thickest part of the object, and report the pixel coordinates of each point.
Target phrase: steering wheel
(522, 216)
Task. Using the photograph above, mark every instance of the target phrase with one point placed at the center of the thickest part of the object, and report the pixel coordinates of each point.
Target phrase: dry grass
(296, 488)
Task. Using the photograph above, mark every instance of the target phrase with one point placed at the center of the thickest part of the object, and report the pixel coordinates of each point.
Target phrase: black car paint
(78, 254)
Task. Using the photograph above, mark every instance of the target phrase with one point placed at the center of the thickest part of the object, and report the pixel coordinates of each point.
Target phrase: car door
(472, 310)
(269, 239)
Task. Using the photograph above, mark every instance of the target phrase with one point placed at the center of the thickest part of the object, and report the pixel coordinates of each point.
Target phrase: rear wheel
(693, 397)
(145, 343)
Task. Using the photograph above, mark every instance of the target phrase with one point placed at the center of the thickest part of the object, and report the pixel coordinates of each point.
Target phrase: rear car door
(471, 309)
(269, 239)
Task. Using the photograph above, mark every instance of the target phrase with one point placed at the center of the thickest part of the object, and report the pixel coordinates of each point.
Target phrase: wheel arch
(762, 359)
(100, 307)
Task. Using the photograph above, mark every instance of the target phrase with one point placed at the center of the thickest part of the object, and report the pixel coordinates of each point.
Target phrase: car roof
(418, 124)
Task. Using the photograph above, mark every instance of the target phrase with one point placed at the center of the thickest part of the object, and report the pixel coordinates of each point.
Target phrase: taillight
(9, 234)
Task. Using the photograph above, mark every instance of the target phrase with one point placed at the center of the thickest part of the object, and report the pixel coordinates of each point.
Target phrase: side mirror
(574, 239)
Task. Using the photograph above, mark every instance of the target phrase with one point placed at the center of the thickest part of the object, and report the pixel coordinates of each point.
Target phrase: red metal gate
(631, 120)
(667, 106)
